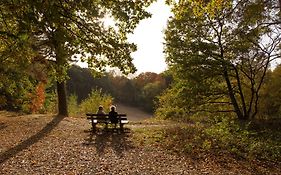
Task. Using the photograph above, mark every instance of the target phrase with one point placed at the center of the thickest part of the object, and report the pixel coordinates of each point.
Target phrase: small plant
(73, 107)
(51, 103)
(95, 99)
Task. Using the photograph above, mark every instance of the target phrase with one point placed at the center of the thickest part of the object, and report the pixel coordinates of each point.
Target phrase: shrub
(245, 139)
(73, 107)
(51, 102)
(95, 99)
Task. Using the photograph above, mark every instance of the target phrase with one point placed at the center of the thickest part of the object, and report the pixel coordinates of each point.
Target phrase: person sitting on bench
(100, 111)
(113, 116)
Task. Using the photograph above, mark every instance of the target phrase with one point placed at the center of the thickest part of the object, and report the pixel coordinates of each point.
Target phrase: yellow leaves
(200, 7)
(211, 7)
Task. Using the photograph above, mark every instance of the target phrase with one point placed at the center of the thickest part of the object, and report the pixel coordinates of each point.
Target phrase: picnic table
(104, 118)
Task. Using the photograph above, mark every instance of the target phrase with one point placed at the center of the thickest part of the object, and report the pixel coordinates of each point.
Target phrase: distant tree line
(140, 91)
(32, 92)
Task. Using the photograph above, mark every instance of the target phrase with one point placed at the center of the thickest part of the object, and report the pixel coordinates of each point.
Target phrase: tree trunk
(232, 96)
(60, 63)
(62, 101)
(240, 91)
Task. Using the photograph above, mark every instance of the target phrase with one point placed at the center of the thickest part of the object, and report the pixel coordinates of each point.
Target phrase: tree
(59, 30)
(271, 94)
(220, 54)
(149, 93)
(148, 86)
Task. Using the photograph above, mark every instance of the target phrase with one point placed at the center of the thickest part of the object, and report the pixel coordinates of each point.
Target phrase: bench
(104, 118)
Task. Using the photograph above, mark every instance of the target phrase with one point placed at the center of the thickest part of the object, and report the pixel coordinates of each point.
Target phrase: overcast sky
(149, 38)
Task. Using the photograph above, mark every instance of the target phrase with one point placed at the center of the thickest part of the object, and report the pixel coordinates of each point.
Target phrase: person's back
(102, 115)
(100, 111)
(113, 115)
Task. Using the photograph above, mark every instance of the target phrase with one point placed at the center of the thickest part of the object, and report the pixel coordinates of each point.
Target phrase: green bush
(245, 139)
(73, 107)
(51, 102)
(223, 136)
(95, 99)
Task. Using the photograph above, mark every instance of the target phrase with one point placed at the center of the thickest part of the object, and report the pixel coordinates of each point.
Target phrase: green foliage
(54, 32)
(245, 139)
(51, 102)
(228, 137)
(149, 92)
(219, 55)
(170, 104)
(140, 91)
(76, 109)
(15, 90)
(270, 105)
(73, 105)
(148, 86)
(83, 30)
(95, 99)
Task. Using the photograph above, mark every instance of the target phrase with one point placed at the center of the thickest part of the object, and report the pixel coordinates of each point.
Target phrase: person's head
(100, 108)
(112, 108)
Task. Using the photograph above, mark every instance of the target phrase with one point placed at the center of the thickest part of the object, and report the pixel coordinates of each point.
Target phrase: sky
(149, 38)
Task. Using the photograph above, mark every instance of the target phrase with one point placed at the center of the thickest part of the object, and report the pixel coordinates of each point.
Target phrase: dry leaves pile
(42, 144)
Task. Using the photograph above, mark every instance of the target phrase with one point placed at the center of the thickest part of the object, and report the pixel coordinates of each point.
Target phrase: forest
(219, 97)
(140, 91)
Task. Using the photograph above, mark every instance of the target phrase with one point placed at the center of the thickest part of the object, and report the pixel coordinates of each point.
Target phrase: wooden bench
(104, 118)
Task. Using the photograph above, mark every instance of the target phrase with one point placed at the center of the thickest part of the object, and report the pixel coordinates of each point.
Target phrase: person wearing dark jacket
(113, 116)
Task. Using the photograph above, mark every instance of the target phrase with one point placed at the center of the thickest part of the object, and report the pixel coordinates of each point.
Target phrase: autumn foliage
(38, 98)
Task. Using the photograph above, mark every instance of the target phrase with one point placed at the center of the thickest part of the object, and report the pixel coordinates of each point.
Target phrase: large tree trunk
(62, 101)
(60, 62)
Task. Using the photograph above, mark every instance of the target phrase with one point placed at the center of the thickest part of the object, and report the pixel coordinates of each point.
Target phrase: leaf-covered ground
(44, 144)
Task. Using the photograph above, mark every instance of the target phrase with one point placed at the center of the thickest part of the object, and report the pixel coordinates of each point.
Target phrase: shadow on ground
(118, 141)
(2, 126)
(31, 140)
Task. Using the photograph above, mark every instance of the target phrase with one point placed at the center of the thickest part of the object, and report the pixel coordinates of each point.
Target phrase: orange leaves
(38, 98)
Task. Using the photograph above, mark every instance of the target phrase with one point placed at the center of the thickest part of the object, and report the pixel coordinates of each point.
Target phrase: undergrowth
(89, 105)
(243, 140)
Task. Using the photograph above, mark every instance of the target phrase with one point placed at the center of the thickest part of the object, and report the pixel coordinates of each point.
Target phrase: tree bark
(60, 63)
(240, 91)
(62, 101)
(232, 96)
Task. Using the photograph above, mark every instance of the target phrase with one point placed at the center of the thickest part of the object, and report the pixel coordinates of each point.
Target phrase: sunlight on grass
(226, 137)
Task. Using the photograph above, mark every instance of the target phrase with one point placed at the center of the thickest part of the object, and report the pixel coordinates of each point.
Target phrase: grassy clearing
(247, 141)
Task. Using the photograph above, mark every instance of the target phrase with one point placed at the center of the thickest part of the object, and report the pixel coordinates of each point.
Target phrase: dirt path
(133, 114)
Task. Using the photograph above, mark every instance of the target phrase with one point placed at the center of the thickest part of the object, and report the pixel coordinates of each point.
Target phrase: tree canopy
(219, 55)
(54, 32)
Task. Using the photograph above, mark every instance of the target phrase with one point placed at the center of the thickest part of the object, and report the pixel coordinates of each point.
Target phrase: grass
(252, 141)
